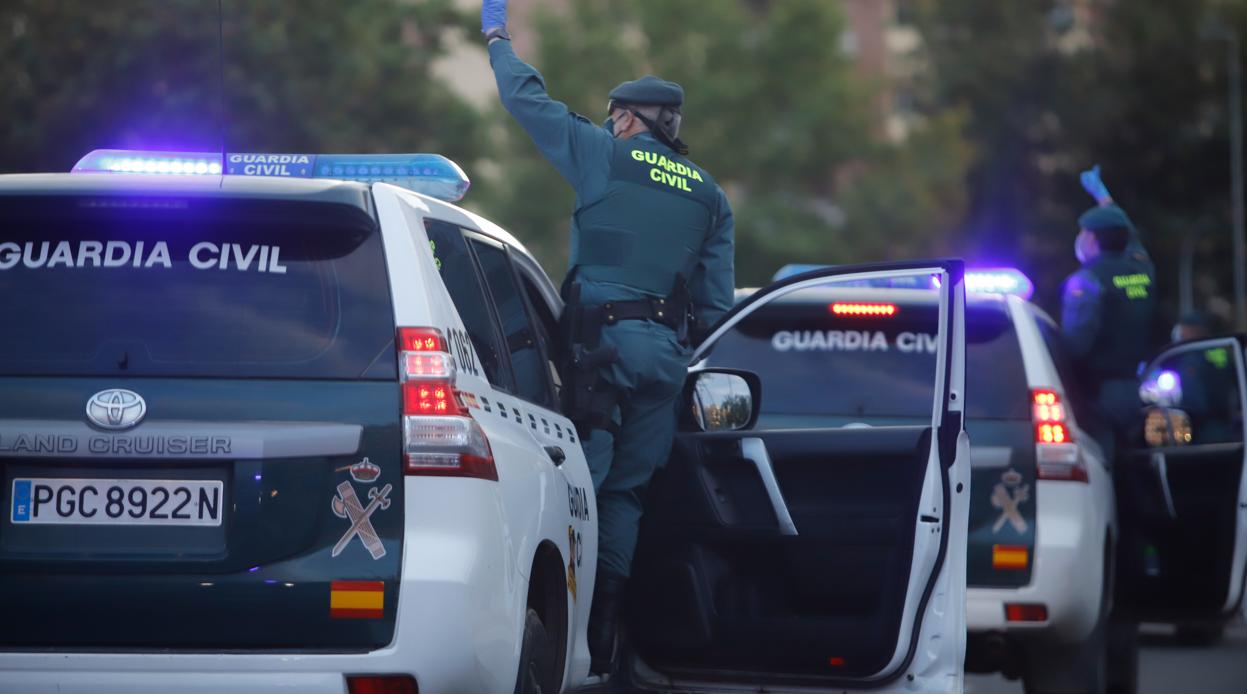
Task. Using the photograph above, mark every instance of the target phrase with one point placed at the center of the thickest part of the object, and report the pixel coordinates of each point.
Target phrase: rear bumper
(458, 622)
(1067, 575)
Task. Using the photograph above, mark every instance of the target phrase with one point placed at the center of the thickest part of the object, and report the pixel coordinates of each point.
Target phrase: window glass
(243, 288)
(527, 360)
(1203, 383)
(1087, 415)
(547, 329)
(460, 276)
(813, 362)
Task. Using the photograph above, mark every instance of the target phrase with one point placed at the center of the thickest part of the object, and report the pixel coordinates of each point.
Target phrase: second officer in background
(1108, 309)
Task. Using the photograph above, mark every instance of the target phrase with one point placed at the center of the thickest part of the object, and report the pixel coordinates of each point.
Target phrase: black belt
(661, 311)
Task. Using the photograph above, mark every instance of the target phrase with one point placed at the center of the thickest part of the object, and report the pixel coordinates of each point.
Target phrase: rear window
(107, 286)
(815, 363)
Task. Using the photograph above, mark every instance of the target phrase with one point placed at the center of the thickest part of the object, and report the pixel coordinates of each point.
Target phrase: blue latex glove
(493, 15)
(1093, 185)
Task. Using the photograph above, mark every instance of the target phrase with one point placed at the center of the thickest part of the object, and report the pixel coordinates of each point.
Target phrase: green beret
(649, 91)
(1103, 218)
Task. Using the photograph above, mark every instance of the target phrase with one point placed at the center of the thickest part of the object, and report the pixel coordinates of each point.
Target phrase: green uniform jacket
(644, 214)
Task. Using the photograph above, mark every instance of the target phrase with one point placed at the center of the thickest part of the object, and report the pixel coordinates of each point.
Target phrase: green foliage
(1135, 86)
(773, 110)
(145, 73)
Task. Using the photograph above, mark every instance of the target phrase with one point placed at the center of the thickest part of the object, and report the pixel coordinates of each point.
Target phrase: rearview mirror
(723, 399)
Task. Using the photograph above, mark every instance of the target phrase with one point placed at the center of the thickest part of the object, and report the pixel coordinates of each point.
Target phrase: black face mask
(609, 126)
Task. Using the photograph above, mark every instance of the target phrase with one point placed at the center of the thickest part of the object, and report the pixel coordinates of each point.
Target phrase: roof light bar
(430, 174)
(1005, 280)
(164, 163)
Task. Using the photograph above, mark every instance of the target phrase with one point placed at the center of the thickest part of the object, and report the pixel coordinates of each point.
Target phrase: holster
(588, 399)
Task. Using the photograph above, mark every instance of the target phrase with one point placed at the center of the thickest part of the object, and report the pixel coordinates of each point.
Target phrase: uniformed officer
(651, 259)
(1108, 308)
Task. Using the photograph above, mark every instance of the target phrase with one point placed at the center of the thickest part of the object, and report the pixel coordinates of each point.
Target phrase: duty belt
(657, 310)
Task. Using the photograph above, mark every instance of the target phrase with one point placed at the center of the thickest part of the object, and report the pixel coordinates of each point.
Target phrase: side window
(532, 379)
(1200, 380)
(462, 280)
(547, 329)
(1087, 415)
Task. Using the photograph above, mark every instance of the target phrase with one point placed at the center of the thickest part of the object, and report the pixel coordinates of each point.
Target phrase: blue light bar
(1004, 280)
(165, 163)
(430, 174)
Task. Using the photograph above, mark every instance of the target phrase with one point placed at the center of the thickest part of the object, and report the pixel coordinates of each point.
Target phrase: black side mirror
(721, 400)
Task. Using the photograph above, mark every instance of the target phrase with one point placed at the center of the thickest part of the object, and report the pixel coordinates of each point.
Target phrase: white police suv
(1042, 526)
(282, 423)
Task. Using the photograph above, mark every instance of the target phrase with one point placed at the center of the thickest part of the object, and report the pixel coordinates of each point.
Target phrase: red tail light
(1056, 455)
(381, 684)
(439, 435)
(1020, 612)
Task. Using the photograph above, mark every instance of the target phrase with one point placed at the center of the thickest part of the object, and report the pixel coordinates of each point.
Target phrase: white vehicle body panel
(1073, 520)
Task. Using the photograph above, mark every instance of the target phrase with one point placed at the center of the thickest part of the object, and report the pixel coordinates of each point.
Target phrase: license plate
(117, 502)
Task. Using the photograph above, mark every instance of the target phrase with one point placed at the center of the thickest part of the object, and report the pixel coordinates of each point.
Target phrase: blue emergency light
(979, 281)
(430, 174)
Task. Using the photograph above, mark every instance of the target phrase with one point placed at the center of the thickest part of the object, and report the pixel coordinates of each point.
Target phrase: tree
(1049, 91)
(147, 74)
(773, 111)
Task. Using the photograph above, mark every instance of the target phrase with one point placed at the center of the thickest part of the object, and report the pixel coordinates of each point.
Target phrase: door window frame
(1236, 344)
(470, 237)
(947, 423)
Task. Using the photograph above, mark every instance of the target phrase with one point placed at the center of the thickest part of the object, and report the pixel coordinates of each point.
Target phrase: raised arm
(569, 141)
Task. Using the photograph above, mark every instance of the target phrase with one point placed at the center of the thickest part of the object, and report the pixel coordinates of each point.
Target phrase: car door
(527, 328)
(824, 556)
(1183, 495)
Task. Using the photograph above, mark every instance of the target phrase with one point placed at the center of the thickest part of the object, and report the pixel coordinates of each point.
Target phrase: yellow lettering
(656, 176)
(651, 158)
(696, 176)
(638, 155)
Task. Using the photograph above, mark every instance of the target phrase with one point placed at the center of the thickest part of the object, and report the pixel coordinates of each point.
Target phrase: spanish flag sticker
(1010, 557)
(357, 599)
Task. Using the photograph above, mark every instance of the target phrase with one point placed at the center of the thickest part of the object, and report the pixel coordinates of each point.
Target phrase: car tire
(1123, 657)
(536, 674)
(1079, 668)
(1199, 635)
(1072, 668)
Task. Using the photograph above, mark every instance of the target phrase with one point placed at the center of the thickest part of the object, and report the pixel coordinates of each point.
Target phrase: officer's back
(1107, 315)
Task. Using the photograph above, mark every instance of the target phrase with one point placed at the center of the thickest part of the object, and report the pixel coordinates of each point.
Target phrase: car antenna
(222, 119)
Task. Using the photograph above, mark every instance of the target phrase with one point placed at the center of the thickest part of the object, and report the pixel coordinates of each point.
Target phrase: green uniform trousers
(648, 376)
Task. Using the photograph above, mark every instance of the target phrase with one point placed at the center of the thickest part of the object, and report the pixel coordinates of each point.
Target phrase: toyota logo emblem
(116, 409)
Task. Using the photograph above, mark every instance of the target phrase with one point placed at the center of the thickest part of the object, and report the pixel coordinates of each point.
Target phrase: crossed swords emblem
(1008, 505)
(346, 505)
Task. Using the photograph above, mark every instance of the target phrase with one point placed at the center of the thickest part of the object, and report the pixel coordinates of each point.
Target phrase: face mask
(1078, 252)
(609, 126)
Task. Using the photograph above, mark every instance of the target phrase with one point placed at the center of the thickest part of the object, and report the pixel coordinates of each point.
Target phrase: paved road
(1165, 667)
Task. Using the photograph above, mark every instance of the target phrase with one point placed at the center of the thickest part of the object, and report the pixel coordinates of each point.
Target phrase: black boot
(604, 622)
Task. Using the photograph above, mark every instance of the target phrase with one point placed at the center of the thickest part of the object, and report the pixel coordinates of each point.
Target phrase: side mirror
(1164, 426)
(723, 399)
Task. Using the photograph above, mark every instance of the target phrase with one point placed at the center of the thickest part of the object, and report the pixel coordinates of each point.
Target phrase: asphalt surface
(1166, 667)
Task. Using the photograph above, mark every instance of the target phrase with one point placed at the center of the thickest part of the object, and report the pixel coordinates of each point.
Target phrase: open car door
(1182, 496)
(811, 557)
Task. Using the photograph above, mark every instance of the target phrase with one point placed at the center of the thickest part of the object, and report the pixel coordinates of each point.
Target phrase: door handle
(557, 455)
(754, 450)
